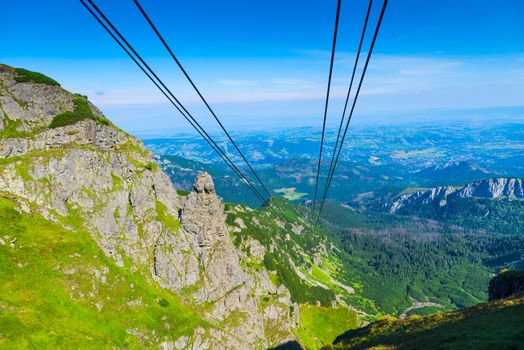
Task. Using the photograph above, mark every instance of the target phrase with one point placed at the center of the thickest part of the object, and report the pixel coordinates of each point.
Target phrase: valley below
(423, 214)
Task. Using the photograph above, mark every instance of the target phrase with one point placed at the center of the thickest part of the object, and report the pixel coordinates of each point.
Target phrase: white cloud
(236, 82)
(413, 72)
(392, 82)
(128, 97)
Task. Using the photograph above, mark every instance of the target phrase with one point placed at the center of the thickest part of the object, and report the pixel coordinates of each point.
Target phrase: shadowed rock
(506, 284)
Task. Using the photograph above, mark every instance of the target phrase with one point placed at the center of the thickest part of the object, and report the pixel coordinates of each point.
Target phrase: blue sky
(265, 63)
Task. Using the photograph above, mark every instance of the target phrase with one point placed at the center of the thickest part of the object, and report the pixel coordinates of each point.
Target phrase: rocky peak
(494, 188)
(204, 184)
(30, 102)
(216, 268)
(203, 213)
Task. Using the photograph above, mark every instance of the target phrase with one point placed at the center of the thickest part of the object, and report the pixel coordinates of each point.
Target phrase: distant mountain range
(351, 181)
(493, 205)
(491, 188)
(454, 172)
(395, 157)
(438, 152)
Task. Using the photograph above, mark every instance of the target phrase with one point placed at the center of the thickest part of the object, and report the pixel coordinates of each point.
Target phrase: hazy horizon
(258, 73)
(459, 116)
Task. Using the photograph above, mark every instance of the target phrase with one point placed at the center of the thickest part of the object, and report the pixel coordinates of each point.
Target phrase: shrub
(81, 112)
(27, 76)
(163, 302)
(11, 128)
(150, 166)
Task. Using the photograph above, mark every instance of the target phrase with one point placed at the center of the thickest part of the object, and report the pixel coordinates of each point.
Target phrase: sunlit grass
(59, 290)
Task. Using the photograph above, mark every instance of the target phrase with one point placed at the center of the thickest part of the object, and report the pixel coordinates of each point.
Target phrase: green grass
(169, 222)
(51, 297)
(320, 275)
(11, 128)
(424, 311)
(27, 76)
(183, 193)
(150, 166)
(494, 325)
(81, 112)
(290, 193)
(321, 325)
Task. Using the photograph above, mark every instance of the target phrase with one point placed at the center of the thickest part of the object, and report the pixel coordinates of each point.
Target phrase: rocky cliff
(62, 159)
(510, 188)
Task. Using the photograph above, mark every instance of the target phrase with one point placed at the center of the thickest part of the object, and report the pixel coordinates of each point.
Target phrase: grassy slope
(58, 289)
(296, 249)
(82, 111)
(27, 76)
(54, 293)
(493, 325)
(321, 325)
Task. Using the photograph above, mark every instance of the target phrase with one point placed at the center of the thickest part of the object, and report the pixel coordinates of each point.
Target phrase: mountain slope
(493, 325)
(62, 160)
(59, 290)
(146, 265)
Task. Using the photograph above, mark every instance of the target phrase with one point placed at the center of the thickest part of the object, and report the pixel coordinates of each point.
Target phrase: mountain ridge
(455, 172)
(511, 188)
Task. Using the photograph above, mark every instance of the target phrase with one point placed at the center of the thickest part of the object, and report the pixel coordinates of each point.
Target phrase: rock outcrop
(232, 294)
(506, 284)
(494, 188)
(92, 176)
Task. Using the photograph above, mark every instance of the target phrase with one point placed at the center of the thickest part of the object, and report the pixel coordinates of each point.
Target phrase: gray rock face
(233, 292)
(492, 188)
(203, 213)
(98, 174)
(104, 182)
